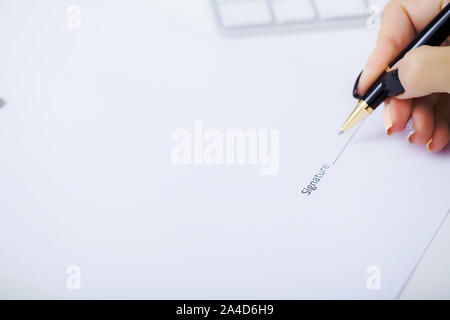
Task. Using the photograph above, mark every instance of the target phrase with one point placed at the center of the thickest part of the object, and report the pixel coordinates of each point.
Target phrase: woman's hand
(424, 73)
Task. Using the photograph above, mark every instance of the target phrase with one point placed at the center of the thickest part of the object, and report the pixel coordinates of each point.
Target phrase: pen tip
(341, 132)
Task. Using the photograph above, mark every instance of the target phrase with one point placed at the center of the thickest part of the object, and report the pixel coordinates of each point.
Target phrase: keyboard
(238, 16)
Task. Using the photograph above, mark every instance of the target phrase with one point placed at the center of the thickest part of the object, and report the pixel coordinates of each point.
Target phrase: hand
(424, 73)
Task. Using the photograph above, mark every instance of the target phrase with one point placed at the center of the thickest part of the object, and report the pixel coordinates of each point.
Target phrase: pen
(388, 84)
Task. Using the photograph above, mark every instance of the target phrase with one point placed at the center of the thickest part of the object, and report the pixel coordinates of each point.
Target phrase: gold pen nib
(361, 111)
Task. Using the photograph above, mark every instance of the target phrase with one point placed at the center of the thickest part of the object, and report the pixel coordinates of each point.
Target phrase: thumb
(425, 70)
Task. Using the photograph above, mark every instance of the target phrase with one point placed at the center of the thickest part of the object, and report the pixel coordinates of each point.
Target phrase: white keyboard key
(329, 9)
(379, 3)
(293, 10)
(244, 13)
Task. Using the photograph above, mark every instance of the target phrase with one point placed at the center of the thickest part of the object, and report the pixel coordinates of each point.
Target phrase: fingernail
(392, 84)
(389, 131)
(387, 118)
(388, 124)
(429, 145)
(411, 136)
(356, 95)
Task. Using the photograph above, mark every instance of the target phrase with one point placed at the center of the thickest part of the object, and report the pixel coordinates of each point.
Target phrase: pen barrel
(377, 93)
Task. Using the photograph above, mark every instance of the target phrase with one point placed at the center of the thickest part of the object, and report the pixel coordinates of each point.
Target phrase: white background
(25, 62)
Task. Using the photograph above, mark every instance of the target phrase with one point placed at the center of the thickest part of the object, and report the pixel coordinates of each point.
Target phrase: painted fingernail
(387, 118)
(389, 131)
(392, 84)
(388, 125)
(356, 95)
(429, 145)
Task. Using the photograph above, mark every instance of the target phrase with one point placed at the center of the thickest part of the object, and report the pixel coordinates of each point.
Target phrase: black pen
(388, 84)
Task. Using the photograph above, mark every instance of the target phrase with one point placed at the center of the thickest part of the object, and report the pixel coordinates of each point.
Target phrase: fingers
(423, 115)
(402, 19)
(396, 114)
(389, 43)
(431, 116)
(401, 111)
(387, 116)
(441, 134)
(424, 71)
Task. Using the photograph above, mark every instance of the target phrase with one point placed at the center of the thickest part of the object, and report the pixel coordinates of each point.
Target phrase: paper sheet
(88, 176)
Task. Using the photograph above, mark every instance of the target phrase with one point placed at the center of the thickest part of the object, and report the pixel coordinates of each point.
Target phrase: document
(146, 156)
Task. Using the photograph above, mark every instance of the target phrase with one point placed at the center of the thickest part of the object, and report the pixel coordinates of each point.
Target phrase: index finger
(402, 20)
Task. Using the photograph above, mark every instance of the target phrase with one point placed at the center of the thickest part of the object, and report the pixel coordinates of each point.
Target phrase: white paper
(87, 178)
